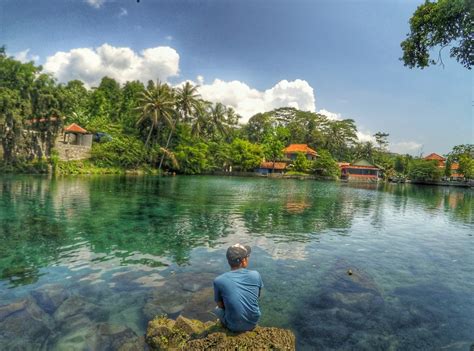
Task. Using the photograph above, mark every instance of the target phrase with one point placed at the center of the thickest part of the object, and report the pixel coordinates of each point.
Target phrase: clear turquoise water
(117, 250)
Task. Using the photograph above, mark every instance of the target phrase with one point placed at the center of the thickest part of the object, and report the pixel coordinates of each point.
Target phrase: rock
(74, 306)
(23, 323)
(346, 304)
(190, 334)
(50, 297)
(201, 305)
(101, 336)
(190, 291)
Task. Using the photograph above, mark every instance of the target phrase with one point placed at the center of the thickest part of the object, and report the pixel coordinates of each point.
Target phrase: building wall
(68, 152)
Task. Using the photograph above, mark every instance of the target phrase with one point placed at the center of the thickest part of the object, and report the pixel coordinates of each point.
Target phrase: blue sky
(240, 51)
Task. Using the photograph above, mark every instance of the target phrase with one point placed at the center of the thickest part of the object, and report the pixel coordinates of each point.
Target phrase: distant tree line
(157, 126)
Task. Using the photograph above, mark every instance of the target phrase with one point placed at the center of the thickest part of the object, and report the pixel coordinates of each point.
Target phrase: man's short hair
(236, 253)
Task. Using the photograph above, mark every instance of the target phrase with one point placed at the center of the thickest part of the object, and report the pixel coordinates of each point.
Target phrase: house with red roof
(361, 170)
(441, 162)
(435, 157)
(292, 151)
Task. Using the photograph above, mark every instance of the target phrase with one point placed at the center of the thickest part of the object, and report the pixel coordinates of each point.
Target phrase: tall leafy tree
(156, 109)
(187, 101)
(440, 24)
(340, 134)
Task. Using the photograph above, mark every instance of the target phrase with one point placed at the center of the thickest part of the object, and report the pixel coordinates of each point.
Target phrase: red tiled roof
(434, 156)
(74, 128)
(359, 167)
(293, 148)
(343, 164)
(269, 165)
(455, 166)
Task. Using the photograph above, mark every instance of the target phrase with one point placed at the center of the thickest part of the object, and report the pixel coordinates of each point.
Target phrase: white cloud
(365, 136)
(96, 3)
(405, 147)
(24, 56)
(200, 80)
(330, 115)
(120, 63)
(123, 12)
(248, 101)
(169, 37)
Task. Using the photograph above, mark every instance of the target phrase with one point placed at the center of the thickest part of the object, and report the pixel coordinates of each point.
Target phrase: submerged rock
(50, 297)
(190, 334)
(184, 293)
(23, 323)
(346, 305)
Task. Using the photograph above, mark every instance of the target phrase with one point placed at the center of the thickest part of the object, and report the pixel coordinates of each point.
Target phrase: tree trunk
(166, 147)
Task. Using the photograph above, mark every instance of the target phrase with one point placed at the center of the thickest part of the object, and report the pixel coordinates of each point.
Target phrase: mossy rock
(191, 334)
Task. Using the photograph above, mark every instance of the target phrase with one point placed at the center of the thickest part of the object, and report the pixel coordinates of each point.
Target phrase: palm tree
(187, 100)
(218, 119)
(156, 106)
(201, 118)
(232, 117)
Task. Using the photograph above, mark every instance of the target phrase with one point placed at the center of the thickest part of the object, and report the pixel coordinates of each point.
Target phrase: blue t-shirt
(239, 290)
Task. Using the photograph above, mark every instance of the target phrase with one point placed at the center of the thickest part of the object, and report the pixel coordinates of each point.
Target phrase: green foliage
(124, 152)
(273, 145)
(422, 170)
(466, 166)
(244, 155)
(399, 164)
(192, 159)
(301, 163)
(325, 165)
(447, 167)
(437, 25)
(84, 167)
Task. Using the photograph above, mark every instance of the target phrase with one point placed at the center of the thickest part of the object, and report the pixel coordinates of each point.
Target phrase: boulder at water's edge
(191, 334)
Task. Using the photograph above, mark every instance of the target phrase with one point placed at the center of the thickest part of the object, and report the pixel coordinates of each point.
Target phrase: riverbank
(86, 167)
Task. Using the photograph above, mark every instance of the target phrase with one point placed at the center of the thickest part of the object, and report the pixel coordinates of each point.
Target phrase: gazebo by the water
(74, 134)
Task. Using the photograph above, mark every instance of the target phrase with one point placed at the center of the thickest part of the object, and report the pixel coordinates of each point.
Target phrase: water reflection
(42, 218)
(117, 250)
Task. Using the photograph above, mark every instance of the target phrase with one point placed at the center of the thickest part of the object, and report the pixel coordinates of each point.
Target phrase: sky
(337, 57)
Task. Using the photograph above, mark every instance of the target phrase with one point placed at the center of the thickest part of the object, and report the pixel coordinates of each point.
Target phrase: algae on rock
(190, 334)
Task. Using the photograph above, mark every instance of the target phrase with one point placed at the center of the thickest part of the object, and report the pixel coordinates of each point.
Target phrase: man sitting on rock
(237, 292)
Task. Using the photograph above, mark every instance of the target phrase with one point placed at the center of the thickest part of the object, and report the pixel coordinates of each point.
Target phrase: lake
(85, 262)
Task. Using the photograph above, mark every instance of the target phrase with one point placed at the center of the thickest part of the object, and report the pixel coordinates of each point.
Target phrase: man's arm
(218, 297)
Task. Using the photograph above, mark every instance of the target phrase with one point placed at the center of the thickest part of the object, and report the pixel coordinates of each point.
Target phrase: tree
(466, 166)
(245, 156)
(339, 134)
(301, 163)
(447, 167)
(422, 170)
(187, 101)
(273, 145)
(399, 164)
(325, 165)
(381, 140)
(364, 151)
(217, 119)
(438, 25)
(156, 107)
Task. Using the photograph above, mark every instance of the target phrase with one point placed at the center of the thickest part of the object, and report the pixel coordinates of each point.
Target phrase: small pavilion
(76, 135)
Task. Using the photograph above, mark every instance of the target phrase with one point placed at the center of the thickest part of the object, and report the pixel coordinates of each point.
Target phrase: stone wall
(68, 152)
